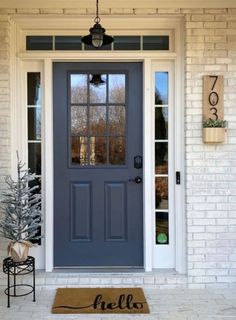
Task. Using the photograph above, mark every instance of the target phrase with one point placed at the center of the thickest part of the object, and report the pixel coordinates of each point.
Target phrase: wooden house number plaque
(213, 97)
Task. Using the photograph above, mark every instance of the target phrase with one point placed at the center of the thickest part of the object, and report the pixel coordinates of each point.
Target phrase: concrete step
(155, 279)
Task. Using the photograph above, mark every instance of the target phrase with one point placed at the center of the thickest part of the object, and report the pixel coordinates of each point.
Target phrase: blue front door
(98, 203)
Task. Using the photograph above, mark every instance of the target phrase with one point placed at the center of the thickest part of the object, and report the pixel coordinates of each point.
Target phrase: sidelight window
(161, 158)
(34, 110)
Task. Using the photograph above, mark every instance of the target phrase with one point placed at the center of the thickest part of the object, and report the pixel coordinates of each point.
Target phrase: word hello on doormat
(100, 300)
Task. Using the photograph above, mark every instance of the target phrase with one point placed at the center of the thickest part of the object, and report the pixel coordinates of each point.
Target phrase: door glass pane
(78, 84)
(79, 150)
(161, 88)
(161, 186)
(116, 88)
(161, 158)
(162, 228)
(34, 123)
(161, 123)
(117, 151)
(97, 88)
(98, 150)
(97, 120)
(98, 128)
(78, 120)
(117, 120)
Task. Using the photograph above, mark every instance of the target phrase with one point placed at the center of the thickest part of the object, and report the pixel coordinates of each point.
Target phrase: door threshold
(98, 269)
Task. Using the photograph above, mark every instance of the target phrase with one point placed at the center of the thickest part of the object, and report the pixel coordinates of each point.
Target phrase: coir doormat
(100, 300)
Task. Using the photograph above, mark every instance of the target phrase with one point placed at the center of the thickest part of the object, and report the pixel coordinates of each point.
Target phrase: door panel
(98, 217)
(115, 211)
(81, 202)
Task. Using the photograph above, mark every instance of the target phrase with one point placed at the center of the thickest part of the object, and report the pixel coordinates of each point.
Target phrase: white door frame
(20, 27)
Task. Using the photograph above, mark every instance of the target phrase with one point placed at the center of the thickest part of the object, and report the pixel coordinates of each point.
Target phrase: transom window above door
(97, 104)
(73, 42)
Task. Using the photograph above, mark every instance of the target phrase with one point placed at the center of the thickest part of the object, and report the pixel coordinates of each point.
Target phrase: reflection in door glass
(78, 88)
(117, 120)
(97, 127)
(117, 151)
(97, 120)
(97, 92)
(79, 150)
(78, 120)
(116, 88)
(161, 88)
(98, 151)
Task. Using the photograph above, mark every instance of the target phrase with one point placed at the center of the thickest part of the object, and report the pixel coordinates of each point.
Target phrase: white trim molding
(21, 27)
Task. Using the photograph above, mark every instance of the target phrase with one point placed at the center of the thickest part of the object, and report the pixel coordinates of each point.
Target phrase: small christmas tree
(22, 208)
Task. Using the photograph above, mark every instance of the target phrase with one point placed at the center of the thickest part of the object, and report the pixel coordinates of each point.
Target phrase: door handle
(136, 180)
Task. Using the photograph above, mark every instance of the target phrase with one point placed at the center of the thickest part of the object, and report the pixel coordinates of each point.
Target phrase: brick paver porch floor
(172, 304)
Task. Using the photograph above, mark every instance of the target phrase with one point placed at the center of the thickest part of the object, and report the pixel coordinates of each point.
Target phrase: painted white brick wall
(210, 169)
(5, 128)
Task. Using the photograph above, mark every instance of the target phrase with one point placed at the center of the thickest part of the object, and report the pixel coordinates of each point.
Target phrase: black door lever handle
(136, 180)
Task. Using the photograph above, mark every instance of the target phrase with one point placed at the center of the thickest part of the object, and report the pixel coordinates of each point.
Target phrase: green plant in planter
(210, 123)
(21, 213)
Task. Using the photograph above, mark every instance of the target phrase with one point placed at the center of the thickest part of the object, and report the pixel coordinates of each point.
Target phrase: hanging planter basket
(214, 135)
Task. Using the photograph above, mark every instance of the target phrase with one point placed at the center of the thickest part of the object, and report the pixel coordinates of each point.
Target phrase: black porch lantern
(97, 37)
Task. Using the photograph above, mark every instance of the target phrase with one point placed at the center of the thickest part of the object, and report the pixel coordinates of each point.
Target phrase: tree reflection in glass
(116, 88)
(97, 93)
(97, 120)
(97, 127)
(117, 120)
(161, 193)
(161, 123)
(79, 120)
(161, 88)
(79, 90)
(117, 151)
(161, 157)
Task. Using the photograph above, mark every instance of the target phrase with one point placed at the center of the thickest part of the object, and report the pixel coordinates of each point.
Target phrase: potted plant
(21, 213)
(214, 130)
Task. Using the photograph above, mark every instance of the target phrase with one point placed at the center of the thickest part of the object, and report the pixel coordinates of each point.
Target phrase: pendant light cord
(97, 19)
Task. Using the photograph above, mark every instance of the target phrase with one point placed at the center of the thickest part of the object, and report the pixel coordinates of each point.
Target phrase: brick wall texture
(210, 48)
